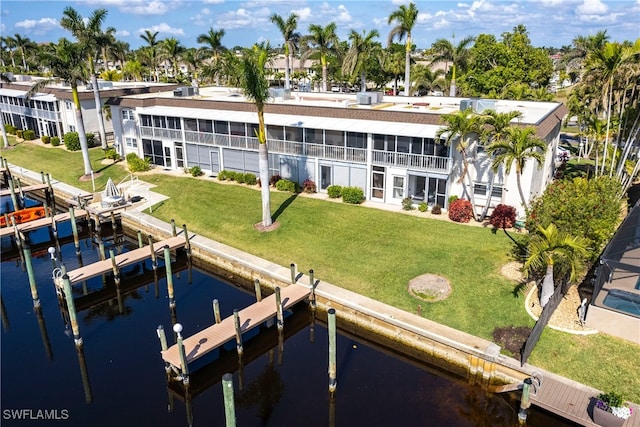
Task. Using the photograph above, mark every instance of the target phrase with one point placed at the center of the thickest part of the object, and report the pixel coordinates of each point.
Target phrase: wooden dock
(214, 336)
(42, 222)
(97, 268)
(26, 189)
(572, 402)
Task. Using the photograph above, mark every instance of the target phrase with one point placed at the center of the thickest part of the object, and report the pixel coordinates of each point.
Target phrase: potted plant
(610, 410)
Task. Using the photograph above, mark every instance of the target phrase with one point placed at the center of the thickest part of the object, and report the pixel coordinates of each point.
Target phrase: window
(313, 136)
(237, 128)
(403, 144)
(131, 142)
(334, 137)
(146, 120)
(221, 127)
(68, 105)
(159, 122)
(173, 123)
(275, 132)
(127, 115)
(398, 187)
(191, 124)
(293, 133)
(356, 140)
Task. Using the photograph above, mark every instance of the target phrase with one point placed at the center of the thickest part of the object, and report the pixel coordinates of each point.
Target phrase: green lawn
(372, 252)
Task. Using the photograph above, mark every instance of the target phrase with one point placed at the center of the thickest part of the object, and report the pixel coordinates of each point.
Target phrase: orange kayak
(23, 215)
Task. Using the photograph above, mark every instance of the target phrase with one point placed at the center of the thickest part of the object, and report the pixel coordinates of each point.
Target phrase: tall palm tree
(214, 48)
(23, 44)
(66, 62)
(458, 55)
(355, 60)
(89, 34)
(517, 145)
(255, 85)
(319, 44)
(152, 50)
(549, 247)
(405, 17)
(193, 58)
(392, 62)
(428, 79)
(291, 39)
(10, 43)
(171, 50)
(461, 128)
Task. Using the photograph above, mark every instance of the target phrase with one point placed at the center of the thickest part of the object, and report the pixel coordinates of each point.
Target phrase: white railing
(418, 161)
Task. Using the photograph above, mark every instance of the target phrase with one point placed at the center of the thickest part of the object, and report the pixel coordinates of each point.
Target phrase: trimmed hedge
(136, 164)
(55, 141)
(29, 135)
(334, 191)
(353, 195)
(287, 185)
(46, 139)
(72, 141)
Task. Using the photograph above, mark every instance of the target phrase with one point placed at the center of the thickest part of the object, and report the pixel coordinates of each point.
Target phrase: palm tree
(171, 50)
(458, 55)
(10, 43)
(405, 16)
(355, 61)
(517, 145)
(319, 44)
(214, 48)
(392, 62)
(550, 247)
(89, 34)
(291, 38)
(428, 79)
(66, 62)
(151, 40)
(193, 58)
(254, 83)
(460, 128)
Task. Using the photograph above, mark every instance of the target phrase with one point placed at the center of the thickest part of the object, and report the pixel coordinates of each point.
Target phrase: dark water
(118, 379)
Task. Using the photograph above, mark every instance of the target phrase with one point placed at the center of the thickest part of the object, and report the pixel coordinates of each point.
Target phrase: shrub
(11, 129)
(46, 139)
(452, 199)
(19, 133)
(503, 216)
(353, 195)
(72, 141)
(112, 154)
(29, 135)
(460, 210)
(91, 140)
(250, 179)
(55, 141)
(287, 185)
(436, 210)
(136, 164)
(223, 175)
(195, 171)
(407, 204)
(334, 191)
(423, 207)
(274, 179)
(239, 176)
(308, 186)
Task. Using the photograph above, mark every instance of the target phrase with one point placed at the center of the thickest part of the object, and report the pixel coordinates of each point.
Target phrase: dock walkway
(97, 268)
(572, 401)
(214, 336)
(42, 222)
(26, 189)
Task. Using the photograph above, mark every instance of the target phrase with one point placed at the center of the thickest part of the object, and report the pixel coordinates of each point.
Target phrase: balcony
(415, 161)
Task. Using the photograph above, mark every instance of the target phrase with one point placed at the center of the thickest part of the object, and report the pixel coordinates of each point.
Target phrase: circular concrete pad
(429, 287)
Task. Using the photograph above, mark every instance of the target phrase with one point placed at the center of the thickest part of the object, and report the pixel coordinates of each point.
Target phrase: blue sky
(549, 22)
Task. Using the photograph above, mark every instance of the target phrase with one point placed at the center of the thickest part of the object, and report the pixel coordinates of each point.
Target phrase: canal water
(118, 378)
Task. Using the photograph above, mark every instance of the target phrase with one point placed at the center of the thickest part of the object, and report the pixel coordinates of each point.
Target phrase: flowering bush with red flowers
(460, 210)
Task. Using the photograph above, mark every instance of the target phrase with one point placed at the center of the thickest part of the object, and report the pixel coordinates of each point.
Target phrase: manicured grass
(375, 253)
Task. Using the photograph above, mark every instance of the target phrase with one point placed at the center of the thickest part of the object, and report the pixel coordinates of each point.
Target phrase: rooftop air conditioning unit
(363, 98)
(184, 91)
(485, 104)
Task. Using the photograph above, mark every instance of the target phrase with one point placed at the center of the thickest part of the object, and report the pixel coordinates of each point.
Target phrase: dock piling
(312, 296)
(140, 243)
(114, 267)
(14, 198)
(74, 229)
(187, 245)
(524, 401)
(101, 250)
(236, 318)
(331, 320)
(71, 308)
(216, 311)
(279, 313)
(177, 328)
(229, 406)
(256, 284)
(154, 261)
(173, 228)
(293, 273)
(51, 193)
(167, 265)
(30, 273)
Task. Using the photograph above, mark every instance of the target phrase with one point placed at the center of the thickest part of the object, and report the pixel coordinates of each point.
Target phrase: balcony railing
(418, 161)
(150, 132)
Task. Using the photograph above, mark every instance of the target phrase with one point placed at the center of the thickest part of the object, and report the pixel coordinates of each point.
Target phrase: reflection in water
(88, 395)
(264, 392)
(44, 333)
(5, 318)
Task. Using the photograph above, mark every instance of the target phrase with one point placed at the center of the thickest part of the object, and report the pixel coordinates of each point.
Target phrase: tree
(319, 44)
(517, 145)
(460, 128)
(427, 79)
(66, 62)
(392, 62)
(23, 44)
(89, 34)
(550, 247)
(214, 48)
(405, 17)
(171, 50)
(152, 50)
(355, 61)
(458, 55)
(291, 38)
(255, 86)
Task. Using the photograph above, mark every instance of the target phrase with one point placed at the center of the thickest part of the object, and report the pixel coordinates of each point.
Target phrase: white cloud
(163, 28)
(343, 15)
(40, 26)
(154, 7)
(303, 14)
(592, 7)
(123, 33)
(213, 1)
(205, 11)
(233, 19)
